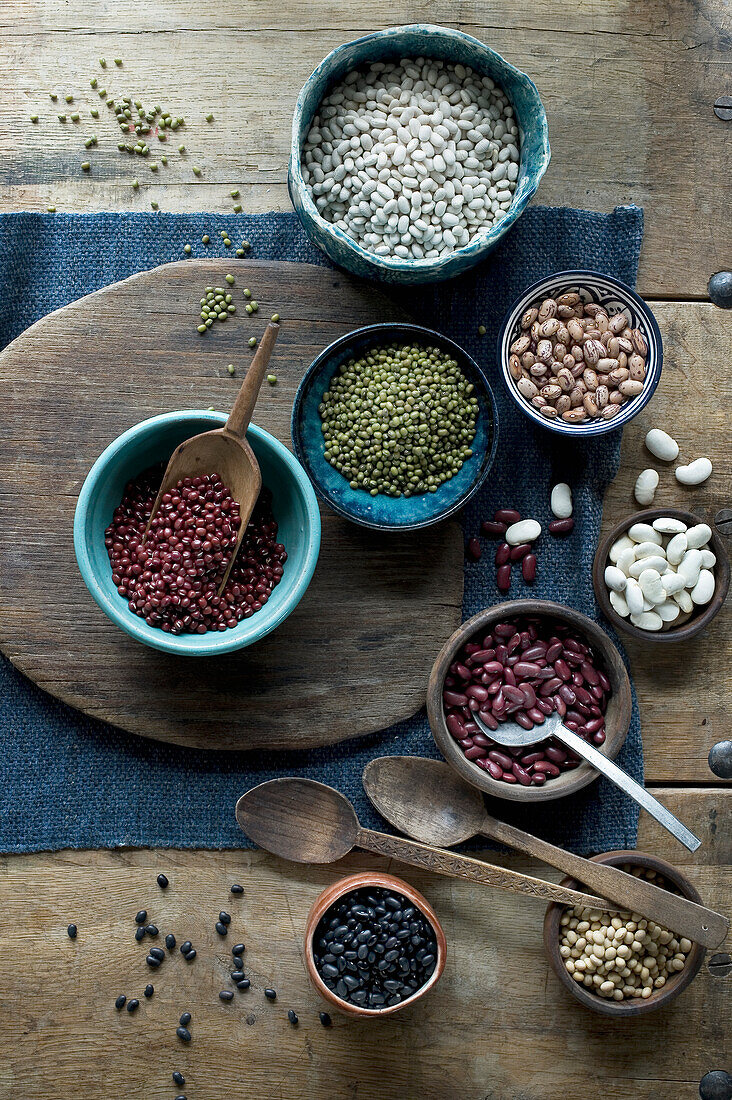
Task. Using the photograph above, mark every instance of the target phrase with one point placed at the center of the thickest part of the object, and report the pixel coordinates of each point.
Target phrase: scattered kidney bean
(503, 553)
(561, 526)
(503, 578)
(507, 516)
(474, 550)
(523, 671)
(491, 529)
(528, 568)
(520, 551)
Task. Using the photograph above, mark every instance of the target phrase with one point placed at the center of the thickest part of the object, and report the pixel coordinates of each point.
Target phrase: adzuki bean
(524, 670)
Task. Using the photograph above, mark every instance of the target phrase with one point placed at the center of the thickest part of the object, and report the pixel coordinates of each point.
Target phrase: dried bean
(503, 578)
(507, 516)
(503, 553)
(491, 529)
(528, 568)
(561, 526)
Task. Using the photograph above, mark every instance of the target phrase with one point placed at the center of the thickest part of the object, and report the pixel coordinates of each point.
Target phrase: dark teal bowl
(385, 513)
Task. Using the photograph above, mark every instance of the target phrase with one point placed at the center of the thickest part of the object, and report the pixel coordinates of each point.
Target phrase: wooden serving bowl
(700, 617)
(346, 886)
(660, 997)
(617, 717)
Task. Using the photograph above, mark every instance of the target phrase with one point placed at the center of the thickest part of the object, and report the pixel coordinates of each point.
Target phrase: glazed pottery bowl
(615, 297)
(347, 886)
(659, 997)
(153, 441)
(382, 512)
(427, 40)
(617, 716)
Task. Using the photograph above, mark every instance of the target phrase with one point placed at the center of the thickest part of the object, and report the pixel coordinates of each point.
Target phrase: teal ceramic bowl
(427, 40)
(294, 505)
(385, 513)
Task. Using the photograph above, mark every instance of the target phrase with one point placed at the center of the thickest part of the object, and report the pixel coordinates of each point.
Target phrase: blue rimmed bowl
(615, 297)
(152, 441)
(382, 512)
(428, 40)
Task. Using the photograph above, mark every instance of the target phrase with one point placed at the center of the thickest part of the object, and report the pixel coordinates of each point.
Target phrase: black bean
(237, 889)
(120, 1002)
(244, 983)
(163, 882)
(292, 1017)
(157, 953)
(184, 1034)
(151, 930)
(325, 1019)
(238, 949)
(181, 1096)
(221, 928)
(152, 961)
(178, 1078)
(271, 994)
(190, 955)
(141, 917)
(170, 941)
(225, 917)
(226, 995)
(148, 991)
(185, 1019)
(72, 931)
(140, 934)
(185, 947)
(133, 1005)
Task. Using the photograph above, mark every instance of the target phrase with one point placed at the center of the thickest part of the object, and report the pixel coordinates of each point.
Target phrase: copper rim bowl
(346, 886)
(660, 997)
(617, 718)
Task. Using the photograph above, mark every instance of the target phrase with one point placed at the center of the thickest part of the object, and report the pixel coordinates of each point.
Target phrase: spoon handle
(621, 779)
(684, 917)
(475, 870)
(241, 413)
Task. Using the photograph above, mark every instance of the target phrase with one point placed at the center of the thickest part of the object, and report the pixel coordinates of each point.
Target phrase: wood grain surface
(355, 654)
(498, 1025)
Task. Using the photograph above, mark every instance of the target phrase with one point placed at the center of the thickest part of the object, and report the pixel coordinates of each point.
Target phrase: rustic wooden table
(629, 91)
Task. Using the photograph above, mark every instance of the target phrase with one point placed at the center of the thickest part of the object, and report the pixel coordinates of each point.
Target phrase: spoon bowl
(299, 819)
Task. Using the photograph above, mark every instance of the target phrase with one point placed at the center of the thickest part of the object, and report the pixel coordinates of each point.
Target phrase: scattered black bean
(185, 1019)
(140, 933)
(325, 1019)
(157, 953)
(374, 949)
(170, 941)
(149, 990)
(151, 929)
(178, 1078)
(225, 917)
(237, 975)
(163, 882)
(292, 1017)
(243, 983)
(237, 889)
(238, 949)
(185, 947)
(120, 1002)
(221, 928)
(141, 917)
(152, 961)
(183, 1034)
(133, 1005)
(271, 994)
(190, 955)
(72, 930)
(181, 1096)
(226, 995)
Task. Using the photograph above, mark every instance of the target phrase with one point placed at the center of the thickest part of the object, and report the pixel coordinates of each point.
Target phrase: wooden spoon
(308, 822)
(428, 801)
(225, 451)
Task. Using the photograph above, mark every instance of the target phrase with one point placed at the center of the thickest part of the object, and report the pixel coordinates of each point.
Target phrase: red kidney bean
(471, 728)
(599, 737)
(528, 693)
(536, 715)
(521, 774)
(528, 568)
(506, 515)
(560, 706)
(575, 716)
(466, 742)
(554, 651)
(520, 551)
(503, 554)
(571, 724)
(463, 672)
(482, 740)
(493, 666)
(594, 725)
(502, 654)
(499, 703)
(475, 691)
(573, 643)
(455, 726)
(550, 686)
(604, 682)
(545, 673)
(527, 669)
(546, 706)
(513, 642)
(523, 720)
(513, 694)
(597, 691)
(555, 754)
(509, 676)
(473, 550)
(504, 630)
(562, 669)
(475, 753)
(589, 673)
(567, 694)
(531, 758)
(534, 652)
(509, 777)
(454, 698)
(525, 639)
(494, 770)
(495, 687)
(561, 526)
(491, 529)
(538, 778)
(503, 578)
(583, 697)
(501, 758)
(547, 767)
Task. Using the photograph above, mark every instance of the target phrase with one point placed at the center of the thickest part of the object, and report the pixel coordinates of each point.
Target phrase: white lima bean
(695, 473)
(662, 445)
(526, 530)
(413, 159)
(645, 486)
(561, 500)
(656, 573)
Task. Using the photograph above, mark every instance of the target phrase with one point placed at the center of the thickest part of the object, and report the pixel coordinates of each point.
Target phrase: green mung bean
(69, 98)
(237, 208)
(94, 112)
(400, 420)
(85, 166)
(34, 118)
(272, 379)
(205, 238)
(209, 118)
(187, 248)
(252, 341)
(230, 368)
(230, 280)
(240, 253)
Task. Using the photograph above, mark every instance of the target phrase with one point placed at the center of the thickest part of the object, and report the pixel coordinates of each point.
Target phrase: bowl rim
(379, 330)
(692, 626)
(477, 246)
(219, 642)
(659, 997)
(347, 885)
(594, 427)
(569, 782)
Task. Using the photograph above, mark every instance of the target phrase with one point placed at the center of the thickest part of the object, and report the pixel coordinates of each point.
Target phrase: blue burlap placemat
(70, 781)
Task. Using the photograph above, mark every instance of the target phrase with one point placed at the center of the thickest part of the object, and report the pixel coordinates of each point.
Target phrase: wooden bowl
(346, 886)
(660, 997)
(617, 718)
(700, 617)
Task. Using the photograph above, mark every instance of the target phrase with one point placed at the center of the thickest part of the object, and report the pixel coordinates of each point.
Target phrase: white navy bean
(615, 579)
(676, 548)
(703, 590)
(662, 445)
(668, 525)
(645, 486)
(643, 532)
(561, 500)
(526, 530)
(695, 473)
(647, 620)
(698, 535)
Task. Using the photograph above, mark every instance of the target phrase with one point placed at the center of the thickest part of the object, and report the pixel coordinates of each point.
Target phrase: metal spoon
(513, 735)
(428, 800)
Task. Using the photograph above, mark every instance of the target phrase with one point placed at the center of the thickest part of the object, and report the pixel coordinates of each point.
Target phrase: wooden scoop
(308, 822)
(428, 801)
(225, 451)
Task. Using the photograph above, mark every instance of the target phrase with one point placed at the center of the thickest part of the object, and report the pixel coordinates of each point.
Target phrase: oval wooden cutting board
(356, 653)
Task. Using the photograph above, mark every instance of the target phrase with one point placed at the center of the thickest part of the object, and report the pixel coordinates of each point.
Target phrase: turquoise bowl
(427, 40)
(294, 505)
(385, 513)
